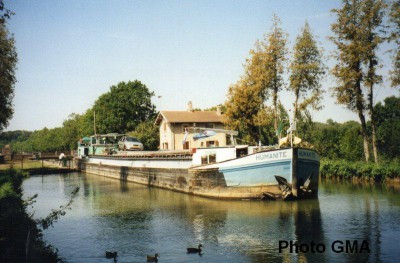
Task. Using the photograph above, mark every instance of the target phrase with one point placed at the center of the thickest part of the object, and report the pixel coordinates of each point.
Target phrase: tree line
(125, 108)
(253, 104)
(360, 29)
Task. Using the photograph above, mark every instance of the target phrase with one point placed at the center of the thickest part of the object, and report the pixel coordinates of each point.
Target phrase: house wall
(179, 134)
(166, 136)
(173, 135)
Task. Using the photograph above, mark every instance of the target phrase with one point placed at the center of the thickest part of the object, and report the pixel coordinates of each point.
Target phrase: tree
(395, 36)
(372, 18)
(242, 107)
(148, 134)
(245, 109)
(338, 140)
(123, 107)
(8, 64)
(388, 123)
(273, 53)
(307, 70)
(349, 41)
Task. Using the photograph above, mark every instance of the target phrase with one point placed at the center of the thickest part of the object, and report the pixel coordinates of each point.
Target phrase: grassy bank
(360, 171)
(20, 238)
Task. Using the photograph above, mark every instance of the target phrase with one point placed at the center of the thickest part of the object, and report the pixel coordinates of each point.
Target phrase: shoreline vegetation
(386, 172)
(21, 240)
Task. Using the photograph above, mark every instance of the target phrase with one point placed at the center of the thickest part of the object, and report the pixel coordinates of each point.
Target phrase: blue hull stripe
(261, 174)
(253, 166)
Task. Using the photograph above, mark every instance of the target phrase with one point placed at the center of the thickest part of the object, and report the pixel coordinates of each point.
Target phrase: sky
(71, 51)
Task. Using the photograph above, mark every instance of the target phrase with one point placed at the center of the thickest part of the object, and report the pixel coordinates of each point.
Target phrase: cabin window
(209, 125)
(212, 158)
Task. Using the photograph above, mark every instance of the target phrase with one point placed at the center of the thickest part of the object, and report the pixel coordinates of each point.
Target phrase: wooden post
(294, 172)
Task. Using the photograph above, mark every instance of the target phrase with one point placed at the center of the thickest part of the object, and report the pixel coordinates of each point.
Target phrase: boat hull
(248, 177)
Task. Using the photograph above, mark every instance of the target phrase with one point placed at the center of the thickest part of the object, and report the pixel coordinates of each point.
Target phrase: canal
(347, 223)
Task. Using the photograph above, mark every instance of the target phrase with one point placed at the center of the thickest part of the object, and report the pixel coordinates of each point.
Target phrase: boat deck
(183, 154)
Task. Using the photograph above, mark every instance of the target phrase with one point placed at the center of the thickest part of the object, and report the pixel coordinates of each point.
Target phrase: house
(173, 126)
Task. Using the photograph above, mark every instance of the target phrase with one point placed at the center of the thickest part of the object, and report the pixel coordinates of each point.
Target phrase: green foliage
(346, 170)
(306, 72)
(122, 108)
(245, 109)
(388, 123)
(395, 36)
(11, 137)
(338, 141)
(8, 64)
(148, 134)
(18, 232)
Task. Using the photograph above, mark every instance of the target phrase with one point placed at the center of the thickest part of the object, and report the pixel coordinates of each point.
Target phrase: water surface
(136, 220)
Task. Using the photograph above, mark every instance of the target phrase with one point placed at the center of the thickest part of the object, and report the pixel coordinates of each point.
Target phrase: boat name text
(272, 155)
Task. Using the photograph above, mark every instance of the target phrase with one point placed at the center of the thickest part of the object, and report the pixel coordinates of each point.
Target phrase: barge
(232, 172)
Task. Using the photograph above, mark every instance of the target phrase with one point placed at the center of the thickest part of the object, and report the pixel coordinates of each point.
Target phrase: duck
(112, 254)
(195, 250)
(153, 258)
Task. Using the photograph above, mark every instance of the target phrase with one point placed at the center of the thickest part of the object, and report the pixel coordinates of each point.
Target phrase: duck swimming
(195, 250)
(112, 254)
(153, 258)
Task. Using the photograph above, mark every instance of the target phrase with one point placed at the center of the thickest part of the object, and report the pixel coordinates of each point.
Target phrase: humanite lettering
(272, 155)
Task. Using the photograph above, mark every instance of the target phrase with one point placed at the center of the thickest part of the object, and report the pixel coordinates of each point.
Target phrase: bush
(359, 170)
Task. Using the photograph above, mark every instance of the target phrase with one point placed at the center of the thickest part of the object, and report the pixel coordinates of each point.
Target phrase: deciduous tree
(8, 64)
(350, 43)
(273, 52)
(372, 26)
(123, 107)
(306, 72)
(263, 78)
(148, 134)
(395, 36)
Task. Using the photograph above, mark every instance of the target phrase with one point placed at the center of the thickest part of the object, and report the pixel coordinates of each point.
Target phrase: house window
(186, 145)
(209, 125)
(210, 144)
(165, 146)
(184, 127)
(165, 126)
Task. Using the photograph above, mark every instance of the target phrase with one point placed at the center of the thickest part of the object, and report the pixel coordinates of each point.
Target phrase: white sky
(71, 52)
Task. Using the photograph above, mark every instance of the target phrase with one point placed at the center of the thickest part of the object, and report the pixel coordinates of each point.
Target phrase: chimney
(190, 106)
(219, 110)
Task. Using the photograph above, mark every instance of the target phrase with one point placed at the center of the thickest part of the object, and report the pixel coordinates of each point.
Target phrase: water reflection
(137, 220)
